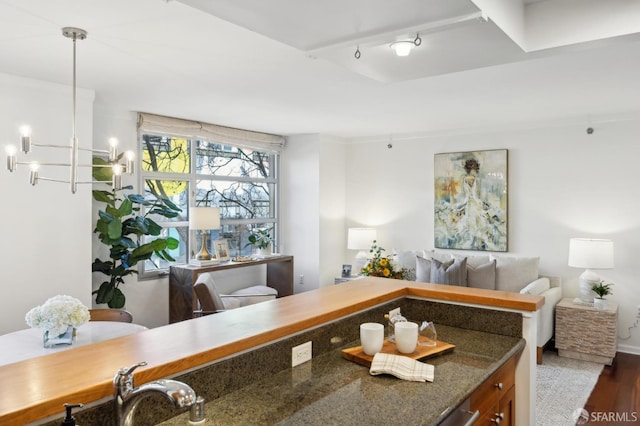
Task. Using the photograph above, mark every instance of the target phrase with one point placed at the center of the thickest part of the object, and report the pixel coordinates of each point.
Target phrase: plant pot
(265, 251)
(600, 304)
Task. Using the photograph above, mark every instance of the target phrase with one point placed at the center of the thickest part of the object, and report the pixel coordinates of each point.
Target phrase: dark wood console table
(182, 277)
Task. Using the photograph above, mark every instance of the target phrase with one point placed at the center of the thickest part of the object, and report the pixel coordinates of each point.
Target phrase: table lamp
(590, 254)
(360, 239)
(203, 219)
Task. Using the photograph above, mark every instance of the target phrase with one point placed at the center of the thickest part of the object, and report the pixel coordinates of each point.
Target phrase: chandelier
(112, 153)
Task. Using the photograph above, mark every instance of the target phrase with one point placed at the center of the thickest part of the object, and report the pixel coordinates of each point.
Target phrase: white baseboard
(629, 349)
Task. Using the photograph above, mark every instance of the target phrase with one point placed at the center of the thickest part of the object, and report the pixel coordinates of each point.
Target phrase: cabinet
(495, 398)
(586, 333)
(182, 302)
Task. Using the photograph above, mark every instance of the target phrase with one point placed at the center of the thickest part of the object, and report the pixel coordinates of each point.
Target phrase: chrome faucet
(127, 397)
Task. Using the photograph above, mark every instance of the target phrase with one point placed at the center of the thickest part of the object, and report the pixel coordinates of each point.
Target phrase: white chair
(211, 301)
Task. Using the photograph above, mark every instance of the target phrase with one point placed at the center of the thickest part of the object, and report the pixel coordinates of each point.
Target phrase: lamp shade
(590, 253)
(204, 218)
(360, 238)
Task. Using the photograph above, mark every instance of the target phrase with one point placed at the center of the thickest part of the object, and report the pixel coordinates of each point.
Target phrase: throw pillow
(537, 287)
(482, 276)
(453, 272)
(514, 273)
(423, 270)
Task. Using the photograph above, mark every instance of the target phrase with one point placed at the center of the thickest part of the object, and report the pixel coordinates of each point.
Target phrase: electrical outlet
(301, 279)
(301, 353)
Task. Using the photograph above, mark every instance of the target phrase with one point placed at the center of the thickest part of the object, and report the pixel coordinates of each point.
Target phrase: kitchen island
(36, 389)
(332, 390)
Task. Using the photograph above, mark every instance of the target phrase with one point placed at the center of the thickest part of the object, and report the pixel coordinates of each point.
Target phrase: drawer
(492, 389)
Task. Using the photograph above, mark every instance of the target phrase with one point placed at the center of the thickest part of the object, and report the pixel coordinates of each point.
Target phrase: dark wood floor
(617, 391)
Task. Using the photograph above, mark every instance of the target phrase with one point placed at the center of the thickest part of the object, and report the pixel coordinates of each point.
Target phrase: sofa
(489, 271)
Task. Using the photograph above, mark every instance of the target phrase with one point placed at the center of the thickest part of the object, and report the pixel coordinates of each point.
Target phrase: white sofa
(490, 271)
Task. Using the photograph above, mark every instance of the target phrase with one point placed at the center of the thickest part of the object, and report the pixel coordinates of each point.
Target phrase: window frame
(192, 178)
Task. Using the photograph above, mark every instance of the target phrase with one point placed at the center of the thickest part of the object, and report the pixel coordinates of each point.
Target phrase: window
(242, 181)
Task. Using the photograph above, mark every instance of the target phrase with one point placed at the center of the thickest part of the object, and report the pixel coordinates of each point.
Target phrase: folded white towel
(402, 367)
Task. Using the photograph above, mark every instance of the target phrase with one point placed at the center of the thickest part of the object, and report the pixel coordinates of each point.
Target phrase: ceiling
(288, 66)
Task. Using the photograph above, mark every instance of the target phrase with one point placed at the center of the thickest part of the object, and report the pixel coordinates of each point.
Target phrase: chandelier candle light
(112, 153)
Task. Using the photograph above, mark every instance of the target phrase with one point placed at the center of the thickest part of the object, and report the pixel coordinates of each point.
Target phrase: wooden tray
(357, 355)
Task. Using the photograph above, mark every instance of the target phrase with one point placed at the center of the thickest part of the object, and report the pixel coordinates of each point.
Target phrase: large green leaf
(118, 300)
(102, 196)
(115, 229)
(105, 292)
(125, 207)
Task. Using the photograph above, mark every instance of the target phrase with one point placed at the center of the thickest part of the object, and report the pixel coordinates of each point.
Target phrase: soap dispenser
(69, 420)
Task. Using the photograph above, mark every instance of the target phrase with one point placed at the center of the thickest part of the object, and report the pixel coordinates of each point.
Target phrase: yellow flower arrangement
(381, 266)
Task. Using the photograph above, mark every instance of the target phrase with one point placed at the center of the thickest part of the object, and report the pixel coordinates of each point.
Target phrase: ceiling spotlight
(403, 47)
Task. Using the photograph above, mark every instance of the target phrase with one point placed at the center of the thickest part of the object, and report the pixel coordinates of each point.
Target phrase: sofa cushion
(453, 272)
(537, 287)
(406, 259)
(475, 260)
(482, 276)
(255, 294)
(442, 256)
(514, 273)
(423, 270)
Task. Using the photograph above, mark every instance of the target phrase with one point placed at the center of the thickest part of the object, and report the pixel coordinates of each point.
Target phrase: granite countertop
(332, 390)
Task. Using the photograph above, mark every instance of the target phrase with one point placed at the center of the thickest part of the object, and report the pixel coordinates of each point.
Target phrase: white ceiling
(287, 66)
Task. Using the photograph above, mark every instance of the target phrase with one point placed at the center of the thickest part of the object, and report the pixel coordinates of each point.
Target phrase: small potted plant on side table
(261, 239)
(601, 289)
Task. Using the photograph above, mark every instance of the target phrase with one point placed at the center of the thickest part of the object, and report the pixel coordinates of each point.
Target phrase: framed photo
(346, 271)
(470, 200)
(221, 248)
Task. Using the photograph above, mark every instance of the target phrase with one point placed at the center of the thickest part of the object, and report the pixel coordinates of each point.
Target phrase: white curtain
(168, 126)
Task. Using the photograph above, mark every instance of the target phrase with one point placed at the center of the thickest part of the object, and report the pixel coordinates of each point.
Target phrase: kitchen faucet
(127, 397)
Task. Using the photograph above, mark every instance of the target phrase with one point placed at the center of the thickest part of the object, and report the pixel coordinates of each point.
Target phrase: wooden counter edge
(287, 316)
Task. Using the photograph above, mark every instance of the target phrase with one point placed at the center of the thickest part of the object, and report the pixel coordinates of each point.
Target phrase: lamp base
(585, 282)
(361, 261)
(203, 254)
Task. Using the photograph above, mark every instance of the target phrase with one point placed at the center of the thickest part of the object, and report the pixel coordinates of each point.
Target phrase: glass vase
(65, 338)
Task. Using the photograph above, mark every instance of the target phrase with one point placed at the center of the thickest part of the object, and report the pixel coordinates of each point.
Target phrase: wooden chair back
(119, 315)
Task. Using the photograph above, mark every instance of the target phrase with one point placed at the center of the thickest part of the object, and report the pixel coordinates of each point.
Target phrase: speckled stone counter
(260, 387)
(331, 390)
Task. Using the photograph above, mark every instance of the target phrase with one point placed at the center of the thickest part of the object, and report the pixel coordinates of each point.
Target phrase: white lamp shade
(204, 218)
(591, 253)
(360, 238)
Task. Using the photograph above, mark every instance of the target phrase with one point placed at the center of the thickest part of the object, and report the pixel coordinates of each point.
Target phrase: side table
(586, 333)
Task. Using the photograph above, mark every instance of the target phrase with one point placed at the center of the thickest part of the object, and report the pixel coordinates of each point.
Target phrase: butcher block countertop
(37, 388)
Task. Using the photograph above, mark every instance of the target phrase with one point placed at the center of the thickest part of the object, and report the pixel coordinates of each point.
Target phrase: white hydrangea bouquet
(57, 314)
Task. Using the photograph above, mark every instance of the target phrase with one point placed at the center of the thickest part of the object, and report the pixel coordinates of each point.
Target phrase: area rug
(563, 386)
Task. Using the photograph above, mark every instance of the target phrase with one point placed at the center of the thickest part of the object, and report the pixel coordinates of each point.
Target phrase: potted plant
(261, 239)
(121, 226)
(602, 290)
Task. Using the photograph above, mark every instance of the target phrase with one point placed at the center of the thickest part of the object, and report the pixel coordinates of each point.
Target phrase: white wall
(45, 249)
(299, 208)
(562, 182)
(333, 169)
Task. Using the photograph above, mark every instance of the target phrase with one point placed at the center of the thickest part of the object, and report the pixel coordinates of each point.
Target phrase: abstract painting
(470, 201)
